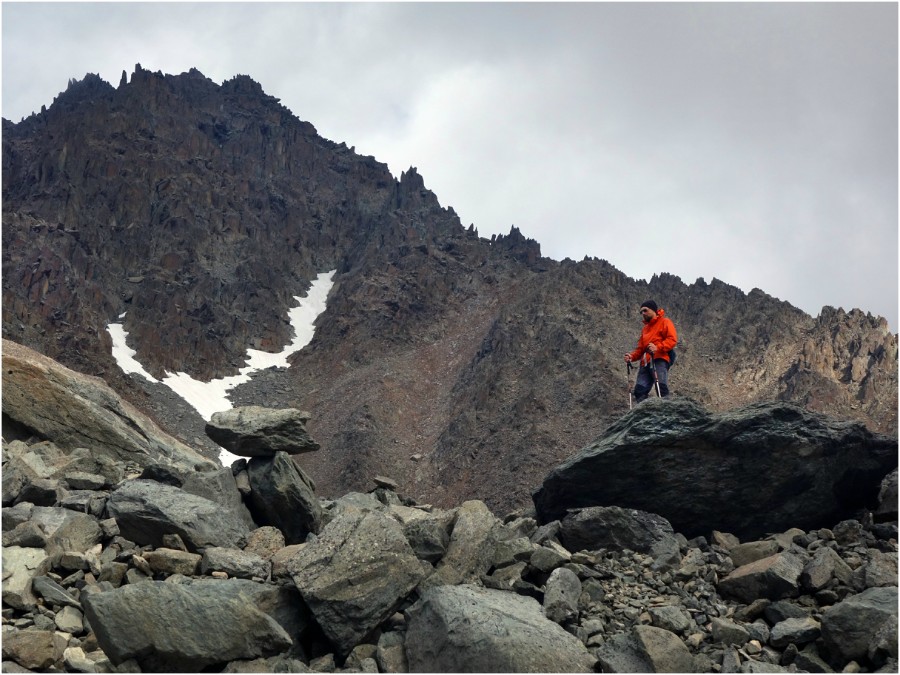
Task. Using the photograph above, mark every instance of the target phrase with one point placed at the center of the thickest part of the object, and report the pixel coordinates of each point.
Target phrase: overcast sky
(755, 143)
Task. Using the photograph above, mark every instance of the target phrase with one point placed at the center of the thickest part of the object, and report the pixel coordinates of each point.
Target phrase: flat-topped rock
(748, 471)
(254, 431)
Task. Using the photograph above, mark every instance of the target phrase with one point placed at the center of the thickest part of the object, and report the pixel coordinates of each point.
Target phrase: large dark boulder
(282, 603)
(282, 495)
(145, 511)
(355, 575)
(763, 468)
(179, 628)
(849, 628)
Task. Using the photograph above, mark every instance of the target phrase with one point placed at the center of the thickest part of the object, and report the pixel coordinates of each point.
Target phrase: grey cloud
(759, 138)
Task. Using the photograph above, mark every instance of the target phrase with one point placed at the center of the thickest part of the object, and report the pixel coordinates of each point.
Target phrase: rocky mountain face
(461, 366)
(132, 561)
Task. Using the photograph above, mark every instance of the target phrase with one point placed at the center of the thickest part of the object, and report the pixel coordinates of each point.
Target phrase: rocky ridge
(462, 366)
(123, 567)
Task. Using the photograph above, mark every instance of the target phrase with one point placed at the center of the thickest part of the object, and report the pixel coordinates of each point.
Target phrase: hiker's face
(647, 314)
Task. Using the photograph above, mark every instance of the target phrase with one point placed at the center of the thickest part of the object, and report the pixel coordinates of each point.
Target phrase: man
(658, 338)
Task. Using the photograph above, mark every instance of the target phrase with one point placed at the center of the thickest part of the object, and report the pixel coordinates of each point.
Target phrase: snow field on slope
(212, 397)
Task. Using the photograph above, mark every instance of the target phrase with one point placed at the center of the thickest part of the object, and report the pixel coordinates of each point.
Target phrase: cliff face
(194, 207)
(202, 210)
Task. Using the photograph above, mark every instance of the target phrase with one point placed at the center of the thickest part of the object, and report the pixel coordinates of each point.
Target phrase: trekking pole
(630, 404)
(655, 376)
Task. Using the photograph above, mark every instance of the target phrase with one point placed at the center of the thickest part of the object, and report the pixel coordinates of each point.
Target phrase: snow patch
(212, 397)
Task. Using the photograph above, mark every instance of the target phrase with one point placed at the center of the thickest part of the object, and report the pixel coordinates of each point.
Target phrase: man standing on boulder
(658, 338)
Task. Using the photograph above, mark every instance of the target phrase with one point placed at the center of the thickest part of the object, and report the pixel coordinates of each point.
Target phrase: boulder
(172, 561)
(281, 602)
(265, 541)
(67, 530)
(13, 516)
(467, 629)
(728, 632)
(390, 653)
(751, 551)
(20, 567)
(429, 535)
(77, 660)
(218, 486)
(671, 618)
(75, 411)
(849, 627)
(511, 551)
(548, 556)
(471, 547)
(613, 527)
(645, 649)
(774, 578)
(797, 631)
(253, 431)
(28, 534)
(776, 612)
(283, 496)
(34, 649)
(180, 628)
(824, 566)
(69, 620)
(883, 645)
(146, 511)
(563, 589)
(887, 499)
(881, 570)
(235, 563)
(273, 664)
(355, 574)
(53, 593)
(82, 480)
(757, 469)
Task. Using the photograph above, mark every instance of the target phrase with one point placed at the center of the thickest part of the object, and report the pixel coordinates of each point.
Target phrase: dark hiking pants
(645, 383)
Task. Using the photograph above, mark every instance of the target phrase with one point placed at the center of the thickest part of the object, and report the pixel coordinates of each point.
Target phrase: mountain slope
(201, 210)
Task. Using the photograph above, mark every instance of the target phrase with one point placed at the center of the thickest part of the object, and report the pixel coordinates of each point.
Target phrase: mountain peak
(202, 211)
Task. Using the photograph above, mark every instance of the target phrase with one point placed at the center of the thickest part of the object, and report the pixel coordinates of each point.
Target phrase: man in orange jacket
(658, 338)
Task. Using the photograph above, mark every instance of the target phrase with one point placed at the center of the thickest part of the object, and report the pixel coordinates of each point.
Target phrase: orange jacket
(661, 332)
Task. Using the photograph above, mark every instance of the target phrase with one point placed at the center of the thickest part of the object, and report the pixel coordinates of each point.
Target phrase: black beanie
(649, 304)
